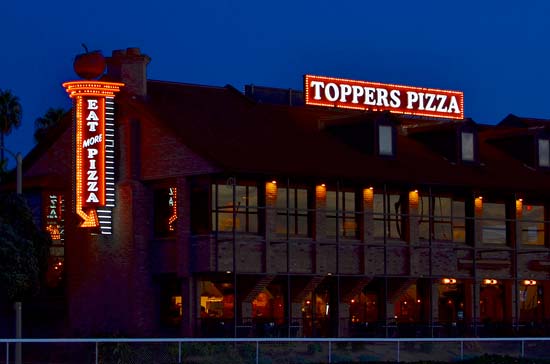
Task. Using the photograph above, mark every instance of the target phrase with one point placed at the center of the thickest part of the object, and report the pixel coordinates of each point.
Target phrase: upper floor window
(165, 211)
(467, 146)
(341, 214)
(385, 140)
(292, 211)
(388, 216)
(235, 207)
(531, 224)
(544, 152)
(435, 218)
(493, 223)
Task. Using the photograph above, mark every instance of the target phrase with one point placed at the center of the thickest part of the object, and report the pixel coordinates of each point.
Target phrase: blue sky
(497, 52)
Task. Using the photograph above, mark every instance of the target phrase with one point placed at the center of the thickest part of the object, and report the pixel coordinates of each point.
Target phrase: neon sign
(172, 203)
(362, 95)
(93, 102)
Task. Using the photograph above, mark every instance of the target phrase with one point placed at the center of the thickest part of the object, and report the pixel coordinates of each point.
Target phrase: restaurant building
(348, 209)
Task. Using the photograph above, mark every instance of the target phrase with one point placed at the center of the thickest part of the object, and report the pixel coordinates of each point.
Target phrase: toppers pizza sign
(362, 95)
(93, 103)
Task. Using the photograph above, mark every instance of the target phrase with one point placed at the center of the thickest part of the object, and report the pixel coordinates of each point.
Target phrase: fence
(266, 350)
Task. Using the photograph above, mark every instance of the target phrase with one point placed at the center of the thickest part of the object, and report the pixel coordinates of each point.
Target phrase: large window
(165, 211)
(493, 223)
(388, 216)
(532, 224)
(435, 215)
(459, 221)
(292, 212)
(230, 201)
(341, 214)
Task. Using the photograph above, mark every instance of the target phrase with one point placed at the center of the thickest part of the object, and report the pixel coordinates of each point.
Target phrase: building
(252, 214)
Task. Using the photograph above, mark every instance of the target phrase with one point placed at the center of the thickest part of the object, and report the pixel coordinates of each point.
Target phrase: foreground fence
(266, 350)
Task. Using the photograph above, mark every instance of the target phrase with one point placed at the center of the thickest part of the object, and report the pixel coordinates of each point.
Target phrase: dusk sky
(497, 52)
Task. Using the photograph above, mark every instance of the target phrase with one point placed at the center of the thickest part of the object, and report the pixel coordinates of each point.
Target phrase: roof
(240, 135)
(243, 136)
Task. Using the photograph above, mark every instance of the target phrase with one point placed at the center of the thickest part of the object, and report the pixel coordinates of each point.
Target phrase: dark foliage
(24, 250)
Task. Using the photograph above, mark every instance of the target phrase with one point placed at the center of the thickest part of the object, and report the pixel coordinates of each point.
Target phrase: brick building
(252, 214)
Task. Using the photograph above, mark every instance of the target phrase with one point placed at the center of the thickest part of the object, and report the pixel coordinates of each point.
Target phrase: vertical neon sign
(93, 102)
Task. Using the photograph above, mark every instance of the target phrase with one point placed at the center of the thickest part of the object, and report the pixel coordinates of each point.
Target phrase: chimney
(129, 66)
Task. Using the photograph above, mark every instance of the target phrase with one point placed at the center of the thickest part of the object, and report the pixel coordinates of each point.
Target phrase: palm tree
(51, 118)
(10, 116)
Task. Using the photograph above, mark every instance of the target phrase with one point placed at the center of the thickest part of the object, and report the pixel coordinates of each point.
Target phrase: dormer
(385, 136)
(373, 133)
(456, 141)
(525, 139)
(467, 143)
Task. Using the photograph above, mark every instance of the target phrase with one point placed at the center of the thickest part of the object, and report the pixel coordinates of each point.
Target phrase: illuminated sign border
(389, 88)
(80, 91)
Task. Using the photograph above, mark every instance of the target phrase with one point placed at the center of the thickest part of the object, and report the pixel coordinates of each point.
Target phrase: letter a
(92, 198)
(92, 116)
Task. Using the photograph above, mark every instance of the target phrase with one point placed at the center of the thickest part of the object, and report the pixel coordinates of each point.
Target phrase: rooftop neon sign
(363, 95)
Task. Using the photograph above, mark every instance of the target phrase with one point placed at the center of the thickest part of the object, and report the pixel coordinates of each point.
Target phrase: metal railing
(266, 350)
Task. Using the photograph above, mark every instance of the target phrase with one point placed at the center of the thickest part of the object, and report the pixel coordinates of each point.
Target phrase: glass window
(385, 140)
(292, 211)
(532, 224)
(388, 215)
(244, 207)
(494, 223)
(435, 218)
(54, 218)
(341, 213)
(467, 146)
(165, 211)
(458, 213)
(544, 153)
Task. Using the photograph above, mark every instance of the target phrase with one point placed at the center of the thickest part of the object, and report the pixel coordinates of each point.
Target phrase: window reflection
(244, 207)
(292, 211)
(532, 224)
(341, 213)
(493, 223)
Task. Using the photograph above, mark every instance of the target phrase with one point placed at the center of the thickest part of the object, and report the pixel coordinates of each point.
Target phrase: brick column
(478, 223)
(320, 229)
(413, 217)
(270, 222)
(343, 320)
(320, 212)
(183, 250)
(434, 302)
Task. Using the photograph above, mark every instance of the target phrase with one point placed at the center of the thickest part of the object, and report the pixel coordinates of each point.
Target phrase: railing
(262, 350)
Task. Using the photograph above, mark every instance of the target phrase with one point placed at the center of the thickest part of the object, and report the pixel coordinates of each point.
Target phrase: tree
(51, 118)
(24, 249)
(10, 116)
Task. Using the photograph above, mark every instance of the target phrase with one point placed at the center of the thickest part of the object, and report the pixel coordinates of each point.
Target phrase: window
(292, 212)
(244, 207)
(435, 218)
(341, 214)
(493, 223)
(54, 219)
(459, 221)
(532, 224)
(165, 211)
(544, 153)
(467, 142)
(388, 216)
(385, 140)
